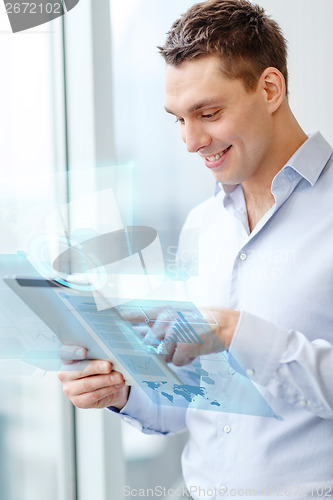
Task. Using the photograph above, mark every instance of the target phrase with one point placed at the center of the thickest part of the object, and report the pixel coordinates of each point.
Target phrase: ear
(273, 85)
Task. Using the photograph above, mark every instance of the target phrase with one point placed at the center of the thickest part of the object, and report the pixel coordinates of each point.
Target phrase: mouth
(215, 161)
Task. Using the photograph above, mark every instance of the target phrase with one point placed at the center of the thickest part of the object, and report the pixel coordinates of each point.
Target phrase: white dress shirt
(281, 277)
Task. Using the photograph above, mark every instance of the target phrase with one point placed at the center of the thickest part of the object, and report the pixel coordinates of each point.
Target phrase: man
(265, 263)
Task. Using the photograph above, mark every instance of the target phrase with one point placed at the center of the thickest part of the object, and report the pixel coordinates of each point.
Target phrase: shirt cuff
(114, 409)
(138, 410)
(257, 347)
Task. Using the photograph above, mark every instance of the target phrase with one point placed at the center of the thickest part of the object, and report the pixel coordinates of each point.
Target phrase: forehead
(197, 81)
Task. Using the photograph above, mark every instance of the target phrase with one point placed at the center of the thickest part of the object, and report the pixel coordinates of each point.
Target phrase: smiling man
(243, 136)
(265, 263)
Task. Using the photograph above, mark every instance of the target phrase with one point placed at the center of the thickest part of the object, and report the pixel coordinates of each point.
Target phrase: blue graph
(184, 332)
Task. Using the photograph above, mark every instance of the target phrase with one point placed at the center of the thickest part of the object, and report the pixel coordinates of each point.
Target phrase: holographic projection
(23, 335)
(213, 381)
(94, 278)
(99, 246)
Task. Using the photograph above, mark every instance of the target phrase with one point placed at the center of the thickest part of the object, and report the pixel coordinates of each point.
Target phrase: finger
(184, 354)
(166, 350)
(180, 359)
(110, 400)
(152, 313)
(94, 399)
(150, 338)
(142, 330)
(160, 329)
(92, 384)
(134, 314)
(83, 369)
(72, 353)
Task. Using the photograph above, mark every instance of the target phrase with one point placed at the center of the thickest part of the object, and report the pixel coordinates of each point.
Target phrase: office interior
(80, 94)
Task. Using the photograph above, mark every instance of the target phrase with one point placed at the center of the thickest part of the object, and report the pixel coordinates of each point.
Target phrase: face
(230, 128)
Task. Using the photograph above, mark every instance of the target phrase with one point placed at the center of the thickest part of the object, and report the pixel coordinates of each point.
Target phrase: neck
(287, 137)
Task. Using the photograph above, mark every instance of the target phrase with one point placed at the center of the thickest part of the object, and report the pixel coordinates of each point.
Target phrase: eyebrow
(199, 105)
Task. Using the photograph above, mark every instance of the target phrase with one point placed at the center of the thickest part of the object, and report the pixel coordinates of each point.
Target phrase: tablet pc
(73, 316)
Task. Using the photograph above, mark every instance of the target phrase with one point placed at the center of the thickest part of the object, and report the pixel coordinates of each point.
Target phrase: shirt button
(231, 371)
(243, 256)
(302, 402)
(250, 372)
(227, 428)
(223, 489)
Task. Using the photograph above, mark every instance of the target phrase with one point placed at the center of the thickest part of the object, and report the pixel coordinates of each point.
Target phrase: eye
(208, 116)
(180, 120)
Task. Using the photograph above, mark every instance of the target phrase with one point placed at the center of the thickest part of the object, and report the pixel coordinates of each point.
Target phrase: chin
(226, 181)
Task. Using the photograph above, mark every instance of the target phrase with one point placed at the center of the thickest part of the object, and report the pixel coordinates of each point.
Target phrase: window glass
(35, 461)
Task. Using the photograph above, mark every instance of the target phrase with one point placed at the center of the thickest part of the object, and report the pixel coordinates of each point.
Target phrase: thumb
(71, 353)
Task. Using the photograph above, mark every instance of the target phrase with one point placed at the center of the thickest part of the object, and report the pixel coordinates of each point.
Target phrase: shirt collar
(311, 158)
(308, 161)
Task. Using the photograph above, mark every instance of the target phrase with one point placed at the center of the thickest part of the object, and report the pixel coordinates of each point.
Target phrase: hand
(226, 323)
(91, 384)
(208, 338)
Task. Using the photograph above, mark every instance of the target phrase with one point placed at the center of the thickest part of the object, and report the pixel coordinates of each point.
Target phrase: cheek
(226, 130)
(246, 131)
(258, 121)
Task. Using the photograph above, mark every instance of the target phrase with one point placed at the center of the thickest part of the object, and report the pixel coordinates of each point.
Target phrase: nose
(195, 137)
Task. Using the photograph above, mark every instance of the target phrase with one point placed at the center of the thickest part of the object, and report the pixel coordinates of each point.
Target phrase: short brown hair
(246, 38)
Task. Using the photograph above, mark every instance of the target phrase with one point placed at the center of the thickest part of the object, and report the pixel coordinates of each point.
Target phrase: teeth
(217, 156)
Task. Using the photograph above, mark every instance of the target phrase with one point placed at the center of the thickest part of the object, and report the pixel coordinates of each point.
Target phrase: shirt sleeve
(286, 363)
(151, 417)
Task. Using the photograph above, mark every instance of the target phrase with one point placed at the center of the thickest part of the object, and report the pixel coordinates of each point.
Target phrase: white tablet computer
(75, 319)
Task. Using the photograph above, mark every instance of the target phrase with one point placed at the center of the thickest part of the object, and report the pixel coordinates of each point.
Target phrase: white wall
(307, 25)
